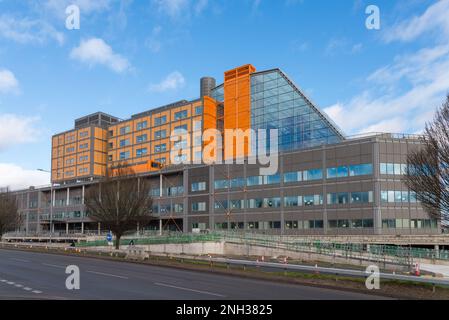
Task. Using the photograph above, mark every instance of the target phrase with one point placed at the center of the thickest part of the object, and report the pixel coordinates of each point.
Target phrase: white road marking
(107, 274)
(187, 289)
(18, 285)
(20, 260)
(53, 265)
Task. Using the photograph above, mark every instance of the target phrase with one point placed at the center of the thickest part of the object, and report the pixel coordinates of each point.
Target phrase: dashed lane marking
(18, 285)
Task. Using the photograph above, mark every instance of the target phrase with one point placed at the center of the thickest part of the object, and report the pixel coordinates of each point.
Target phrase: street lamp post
(51, 201)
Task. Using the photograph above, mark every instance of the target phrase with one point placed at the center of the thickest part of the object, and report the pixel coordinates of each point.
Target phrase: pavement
(436, 268)
(32, 275)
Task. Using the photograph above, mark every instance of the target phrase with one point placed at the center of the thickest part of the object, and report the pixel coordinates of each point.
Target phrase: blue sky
(133, 55)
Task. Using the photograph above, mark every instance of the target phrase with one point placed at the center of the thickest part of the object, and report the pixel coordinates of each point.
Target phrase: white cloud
(403, 95)
(16, 177)
(399, 97)
(25, 30)
(16, 129)
(173, 81)
(434, 19)
(8, 82)
(95, 51)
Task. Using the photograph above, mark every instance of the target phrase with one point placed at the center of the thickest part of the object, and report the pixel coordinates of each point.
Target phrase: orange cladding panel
(237, 107)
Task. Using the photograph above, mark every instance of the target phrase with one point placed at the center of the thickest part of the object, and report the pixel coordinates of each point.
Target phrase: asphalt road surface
(30, 275)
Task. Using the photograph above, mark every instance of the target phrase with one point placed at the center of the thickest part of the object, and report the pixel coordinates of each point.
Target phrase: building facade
(326, 183)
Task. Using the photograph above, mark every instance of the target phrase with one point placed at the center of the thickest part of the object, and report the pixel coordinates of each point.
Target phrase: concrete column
(27, 212)
(82, 194)
(82, 227)
(324, 168)
(39, 205)
(281, 193)
(68, 197)
(66, 228)
(377, 214)
(27, 225)
(185, 200)
(160, 227)
(99, 228)
(211, 197)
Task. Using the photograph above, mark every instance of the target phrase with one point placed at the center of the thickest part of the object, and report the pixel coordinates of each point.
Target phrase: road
(32, 275)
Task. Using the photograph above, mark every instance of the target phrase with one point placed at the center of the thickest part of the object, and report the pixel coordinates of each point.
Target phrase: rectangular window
(237, 204)
(124, 155)
(221, 205)
(362, 197)
(181, 115)
(390, 168)
(271, 202)
(180, 129)
(331, 173)
(313, 200)
(342, 172)
(125, 130)
(383, 168)
(384, 196)
(141, 152)
(84, 146)
(237, 182)
(160, 134)
(313, 174)
(198, 186)
(199, 206)
(160, 148)
(141, 125)
(198, 110)
(124, 143)
(161, 160)
(273, 179)
(254, 203)
(141, 138)
(160, 120)
(254, 181)
(290, 177)
(397, 169)
(84, 134)
(221, 184)
(293, 201)
(361, 169)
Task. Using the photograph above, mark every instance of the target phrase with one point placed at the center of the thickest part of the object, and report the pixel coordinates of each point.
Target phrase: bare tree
(120, 202)
(428, 166)
(9, 212)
